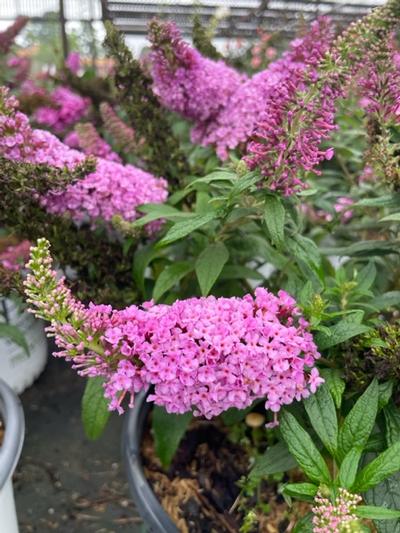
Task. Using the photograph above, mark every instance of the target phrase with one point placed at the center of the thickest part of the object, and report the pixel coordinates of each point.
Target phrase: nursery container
(10, 449)
(17, 368)
(155, 518)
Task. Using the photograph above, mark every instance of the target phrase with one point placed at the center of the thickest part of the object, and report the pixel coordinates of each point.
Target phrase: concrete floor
(65, 482)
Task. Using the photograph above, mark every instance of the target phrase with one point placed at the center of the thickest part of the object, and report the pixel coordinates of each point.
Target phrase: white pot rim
(13, 416)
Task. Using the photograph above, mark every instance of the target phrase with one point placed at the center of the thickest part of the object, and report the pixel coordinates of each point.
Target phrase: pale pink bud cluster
(209, 354)
(342, 208)
(66, 110)
(336, 516)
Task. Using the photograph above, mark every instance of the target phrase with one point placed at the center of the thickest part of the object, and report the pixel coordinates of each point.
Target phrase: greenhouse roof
(237, 18)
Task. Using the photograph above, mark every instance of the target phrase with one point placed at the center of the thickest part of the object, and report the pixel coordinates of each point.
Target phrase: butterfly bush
(66, 109)
(184, 80)
(113, 189)
(207, 353)
(336, 517)
(235, 122)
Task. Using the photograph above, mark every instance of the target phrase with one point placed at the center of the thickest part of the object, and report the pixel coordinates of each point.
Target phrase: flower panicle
(209, 354)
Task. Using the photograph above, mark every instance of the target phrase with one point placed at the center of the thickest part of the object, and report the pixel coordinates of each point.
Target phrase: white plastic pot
(10, 450)
(17, 369)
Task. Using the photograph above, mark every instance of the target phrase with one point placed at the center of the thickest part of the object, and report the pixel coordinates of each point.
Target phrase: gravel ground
(64, 482)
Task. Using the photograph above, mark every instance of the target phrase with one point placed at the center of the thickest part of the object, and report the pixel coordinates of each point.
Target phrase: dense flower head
(379, 83)
(336, 516)
(236, 121)
(288, 134)
(184, 80)
(209, 353)
(67, 108)
(113, 189)
(15, 256)
(91, 143)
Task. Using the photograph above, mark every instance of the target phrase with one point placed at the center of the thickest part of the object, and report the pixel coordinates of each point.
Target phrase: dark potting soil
(200, 489)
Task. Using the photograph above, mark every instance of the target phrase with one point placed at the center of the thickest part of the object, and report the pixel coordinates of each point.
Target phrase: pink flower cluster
(66, 110)
(240, 101)
(14, 257)
(337, 516)
(113, 189)
(90, 142)
(299, 116)
(209, 354)
(342, 208)
(73, 62)
(184, 80)
(379, 85)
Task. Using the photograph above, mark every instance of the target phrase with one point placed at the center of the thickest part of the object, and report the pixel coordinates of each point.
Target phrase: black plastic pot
(155, 518)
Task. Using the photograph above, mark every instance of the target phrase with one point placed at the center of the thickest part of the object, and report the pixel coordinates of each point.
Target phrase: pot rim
(148, 506)
(13, 417)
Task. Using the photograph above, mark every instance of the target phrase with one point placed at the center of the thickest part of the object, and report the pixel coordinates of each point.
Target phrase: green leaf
(15, 335)
(385, 393)
(394, 217)
(95, 413)
(364, 249)
(321, 411)
(275, 459)
(303, 449)
(240, 272)
(169, 277)
(349, 467)
(209, 265)
(340, 332)
(305, 524)
(386, 300)
(386, 464)
(366, 277)
(386, 494)
(274, 217)
(181, 229)
(168, 430)
(389, 200)
(301, 491)
(305, 249)
(376, 513)
(232, 415)
(392, 420)
(142, 259)
(335, 384)
(358, 424)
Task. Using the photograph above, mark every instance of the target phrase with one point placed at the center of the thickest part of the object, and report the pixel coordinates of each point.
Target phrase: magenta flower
(113, 189)
(209, 354)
